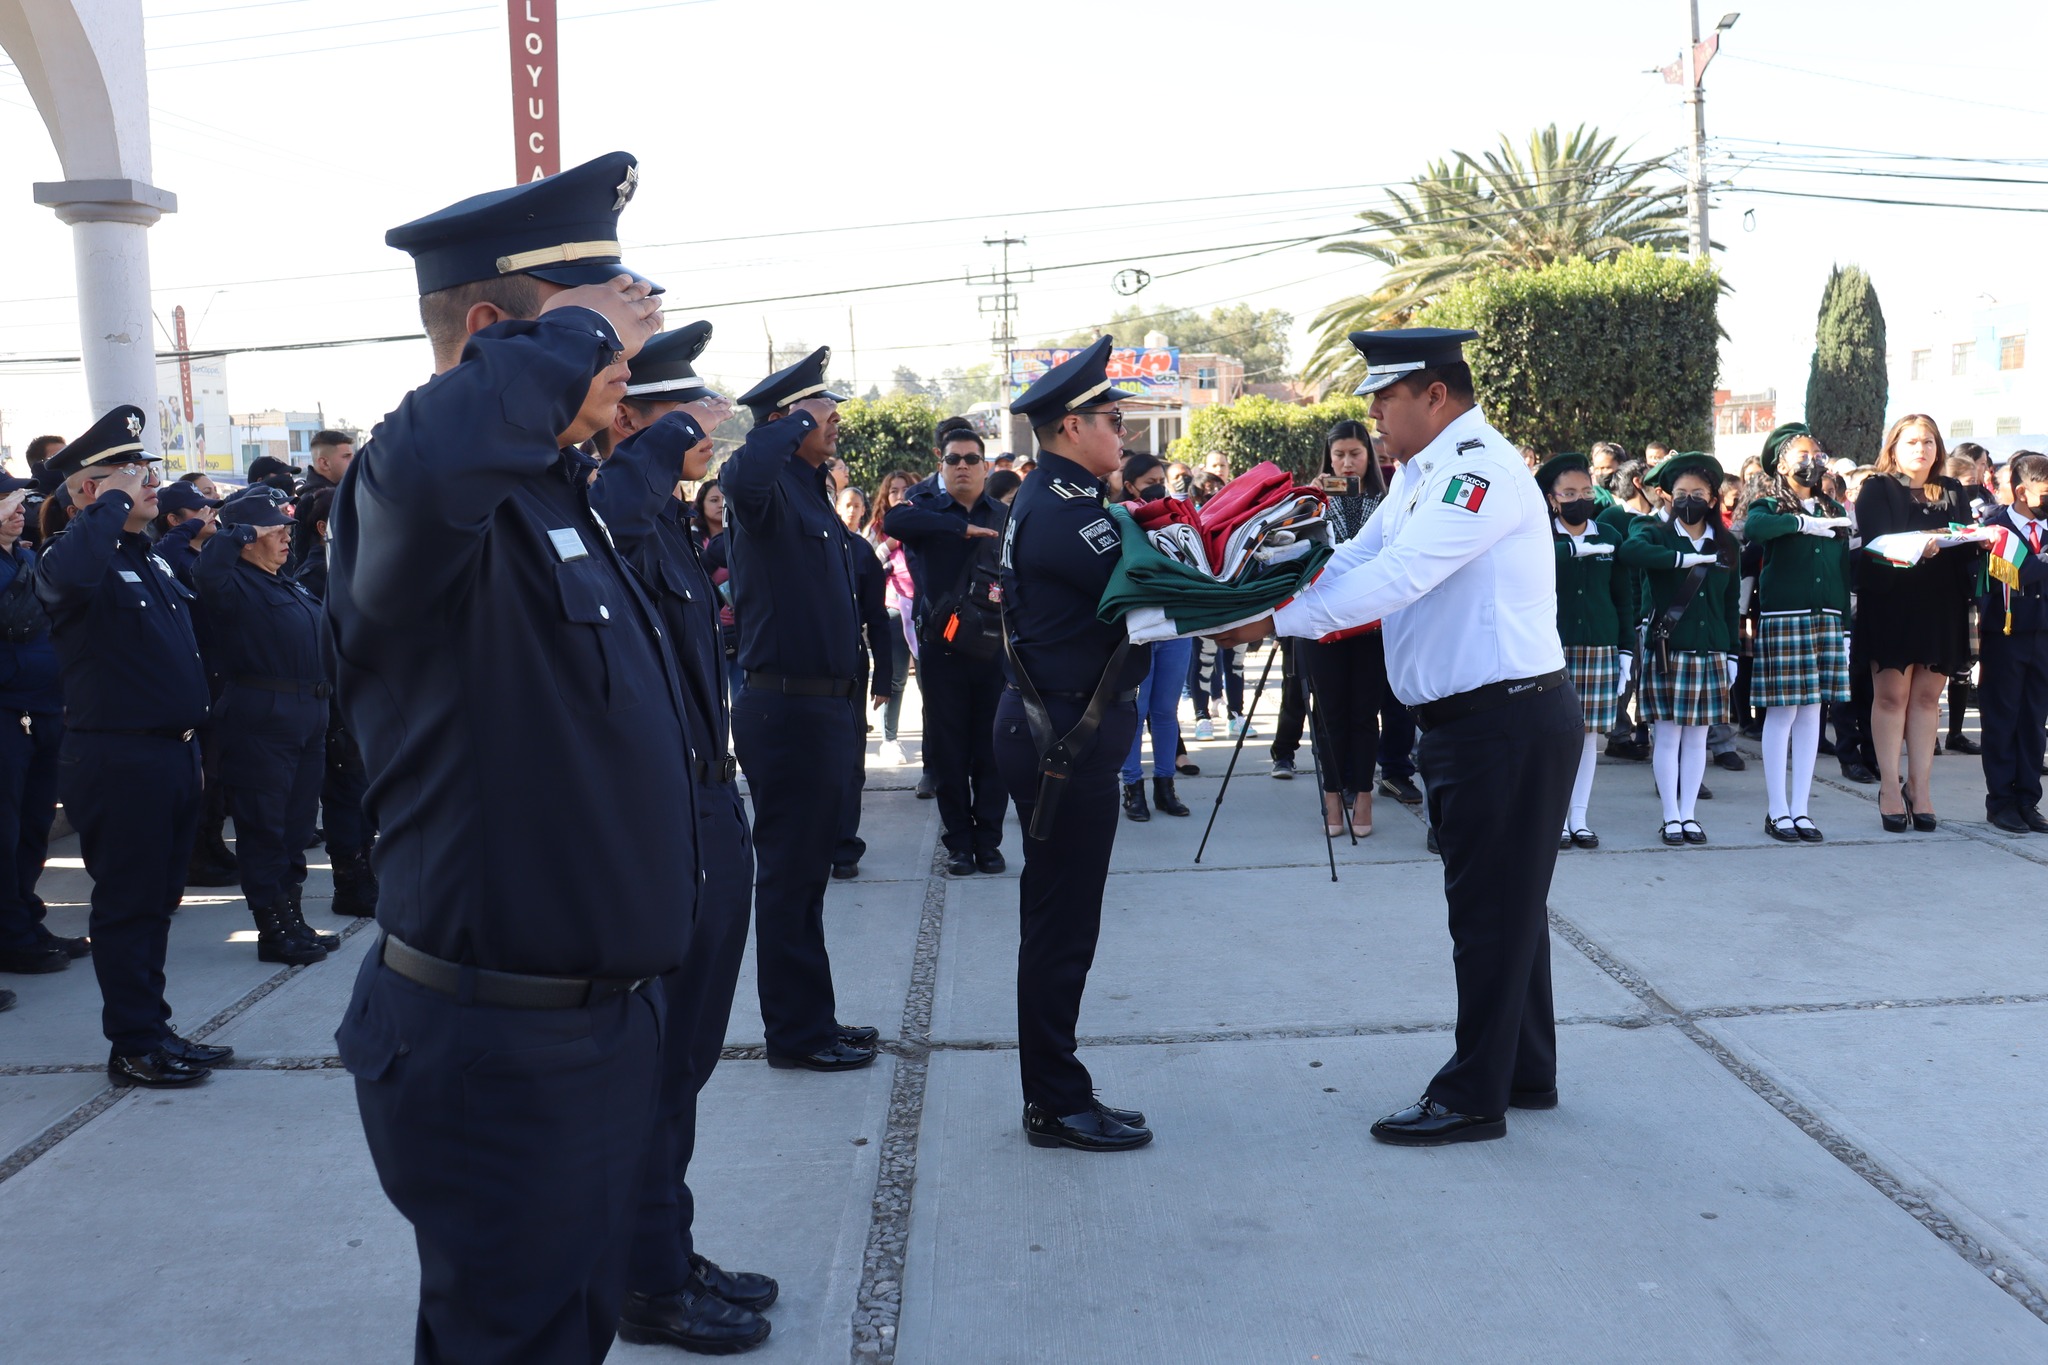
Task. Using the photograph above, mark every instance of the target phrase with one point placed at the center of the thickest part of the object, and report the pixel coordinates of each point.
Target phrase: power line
(1880, 85)
(1898, 203)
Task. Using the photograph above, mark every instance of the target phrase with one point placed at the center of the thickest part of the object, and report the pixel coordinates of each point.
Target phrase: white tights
(1792, 731)
(1582, 785)
(1680, 762)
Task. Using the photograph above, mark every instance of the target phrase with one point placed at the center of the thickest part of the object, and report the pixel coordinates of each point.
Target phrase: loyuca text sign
(536, 122)
(1153, 370)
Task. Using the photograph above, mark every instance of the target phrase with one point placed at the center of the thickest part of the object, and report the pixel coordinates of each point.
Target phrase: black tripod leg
(1243, 730)
(1315, 735)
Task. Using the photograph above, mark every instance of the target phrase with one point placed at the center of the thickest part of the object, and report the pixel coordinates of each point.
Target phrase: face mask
(1691, 509)
(1576, 512)
(1810, 473)
(1155, 493)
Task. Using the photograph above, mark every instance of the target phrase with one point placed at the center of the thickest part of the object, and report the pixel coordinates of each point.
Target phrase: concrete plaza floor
(1803, 1088)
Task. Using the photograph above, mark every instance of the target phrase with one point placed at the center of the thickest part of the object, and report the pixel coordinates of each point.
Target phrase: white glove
(1734, 666)
(1694, 561)
(1628, 669)
(1742, 596)
(1822, 526)
(1587, 549)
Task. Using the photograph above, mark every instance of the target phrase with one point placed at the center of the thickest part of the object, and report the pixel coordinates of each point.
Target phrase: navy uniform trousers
(960, 696)
(799, 754)
(2012, 703)
(465, 1104)
(1060, 893)
(272, 760)
(345, 823)
(1499, 782)
(134, 800)
(29, 744)
(699, 1007)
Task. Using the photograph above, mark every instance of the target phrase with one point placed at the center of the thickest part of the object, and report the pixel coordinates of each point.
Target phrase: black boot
(296, 899)
(1134, 802)
(1163, 797)
(277, 939)
(355, 886)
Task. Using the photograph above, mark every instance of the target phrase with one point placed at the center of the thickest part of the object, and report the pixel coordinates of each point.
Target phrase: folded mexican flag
(1160, 597)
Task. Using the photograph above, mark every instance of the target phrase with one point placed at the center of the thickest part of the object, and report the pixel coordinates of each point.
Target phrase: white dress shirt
(1457, 565)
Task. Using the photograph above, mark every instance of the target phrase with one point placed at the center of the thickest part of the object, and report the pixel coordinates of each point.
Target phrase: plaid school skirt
(1694, 692)
(1596, 676)
(1802, 659)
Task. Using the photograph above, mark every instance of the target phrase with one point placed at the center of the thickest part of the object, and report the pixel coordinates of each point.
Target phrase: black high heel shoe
(1897, 824)
(1925, 823)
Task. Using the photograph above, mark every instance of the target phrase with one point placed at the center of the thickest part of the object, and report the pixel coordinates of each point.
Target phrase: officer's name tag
(1100, 535)
(568, 544)
(129, 576)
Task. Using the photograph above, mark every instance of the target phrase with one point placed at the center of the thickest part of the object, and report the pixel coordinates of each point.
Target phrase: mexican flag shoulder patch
(1466, 491)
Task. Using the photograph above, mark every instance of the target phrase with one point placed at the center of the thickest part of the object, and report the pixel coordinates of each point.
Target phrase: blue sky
(295, 131)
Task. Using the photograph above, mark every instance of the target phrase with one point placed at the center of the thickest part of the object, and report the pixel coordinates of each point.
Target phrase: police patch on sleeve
(1466, 491)
(1100, 535)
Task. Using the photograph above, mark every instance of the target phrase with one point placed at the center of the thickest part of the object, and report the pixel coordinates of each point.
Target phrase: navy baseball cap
(182, 497)
(257, 505)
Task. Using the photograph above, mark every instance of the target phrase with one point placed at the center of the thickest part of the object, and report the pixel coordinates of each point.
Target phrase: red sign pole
(536, 121)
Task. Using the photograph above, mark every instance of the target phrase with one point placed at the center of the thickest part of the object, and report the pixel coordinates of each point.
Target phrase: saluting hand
(635, 315)
(127, 479)
(709, 411)
(820, 409)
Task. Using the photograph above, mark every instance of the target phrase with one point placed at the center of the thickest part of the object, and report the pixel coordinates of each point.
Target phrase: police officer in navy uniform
(523, 726)
(187, 518)
(950, 531)
(1457, 564)
(796, 724)
(1063, 727)
(660, 437)
(271, 713)
(128, 774)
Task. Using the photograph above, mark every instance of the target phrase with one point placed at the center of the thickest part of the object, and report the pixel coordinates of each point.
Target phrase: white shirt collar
(1565, 530)
(1466, 424)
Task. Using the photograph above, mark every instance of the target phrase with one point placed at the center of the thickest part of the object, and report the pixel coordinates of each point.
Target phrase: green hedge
(891, 432)
(1261, 428)
(1622, 350)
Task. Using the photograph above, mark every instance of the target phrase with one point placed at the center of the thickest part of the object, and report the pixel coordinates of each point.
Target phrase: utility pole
(1691, 71)
(1003, 304)
(852, 358)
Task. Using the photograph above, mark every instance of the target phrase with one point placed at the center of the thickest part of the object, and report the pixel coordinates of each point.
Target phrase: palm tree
(1566, 197)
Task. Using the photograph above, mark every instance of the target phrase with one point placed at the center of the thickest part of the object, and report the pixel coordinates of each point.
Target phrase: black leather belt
(289, 685)
(1113, 699)
(715, 770)
(508, 990)
(801, 687)
(1434, 713)
(161, 732)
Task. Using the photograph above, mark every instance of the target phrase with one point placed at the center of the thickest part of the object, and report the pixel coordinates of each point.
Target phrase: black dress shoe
(1088, 1131)
(990, 862)
(1585, 838)
(1430, 842)
(1129, 1118)
(1402, 789)
(1730, 760)
(1426, 1123)
(34, 961)
(1853, 771)
(1782, 829)
(1693, 833)
(834, 1056)
(742, 1288)
(927, 787)
(860, 1035)
(1963, 744)
(158, 1070)
(959, 865)
(2009, 820)
(197, 1054)
(1809, 832)
(845, 872)
(1533, 1099)
(1630, 749)
(73, 948)
(1706, 793)
(1893, 824)
(1673, 833)
(693, 1318)
(1564, 840)
(2035, 821)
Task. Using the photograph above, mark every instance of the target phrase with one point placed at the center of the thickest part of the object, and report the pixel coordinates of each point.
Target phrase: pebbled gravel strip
(879, 1306)
(1999, 1271)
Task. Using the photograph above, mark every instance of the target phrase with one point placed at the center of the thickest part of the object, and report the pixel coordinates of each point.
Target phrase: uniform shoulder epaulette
(1471, 443)
(1075, 490)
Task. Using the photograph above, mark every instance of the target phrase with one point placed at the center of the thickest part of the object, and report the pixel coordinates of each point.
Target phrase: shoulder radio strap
(1056, 755)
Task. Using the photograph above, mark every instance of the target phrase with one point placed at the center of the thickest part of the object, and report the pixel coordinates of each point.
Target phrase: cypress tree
(1847, 388)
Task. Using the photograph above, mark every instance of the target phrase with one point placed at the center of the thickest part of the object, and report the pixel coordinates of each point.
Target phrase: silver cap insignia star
(134, 426)
(626, 187)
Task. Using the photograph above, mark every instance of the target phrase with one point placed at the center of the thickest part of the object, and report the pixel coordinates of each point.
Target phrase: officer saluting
(522, 724)
(134, 697)
(797, 722)
(659, 436)
(1457, 562)
(1063, 727)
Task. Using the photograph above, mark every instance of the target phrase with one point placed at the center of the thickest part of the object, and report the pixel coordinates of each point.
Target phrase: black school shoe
(692, 1318)
(1093, 1130)
(1426, 1123)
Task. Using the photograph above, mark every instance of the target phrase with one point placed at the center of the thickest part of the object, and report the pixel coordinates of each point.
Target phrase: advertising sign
(1155, 372)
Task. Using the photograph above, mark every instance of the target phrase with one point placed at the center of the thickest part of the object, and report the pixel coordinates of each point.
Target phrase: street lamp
(1727, 22)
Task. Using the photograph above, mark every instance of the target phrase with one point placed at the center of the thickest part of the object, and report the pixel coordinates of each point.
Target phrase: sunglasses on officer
(1114, 416)
(961, 457)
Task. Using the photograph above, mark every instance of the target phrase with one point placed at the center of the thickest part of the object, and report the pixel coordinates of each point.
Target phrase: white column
(109, 222)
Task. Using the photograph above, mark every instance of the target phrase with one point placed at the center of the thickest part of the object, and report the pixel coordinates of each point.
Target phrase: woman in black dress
(1347, 677)
(1913, 622)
